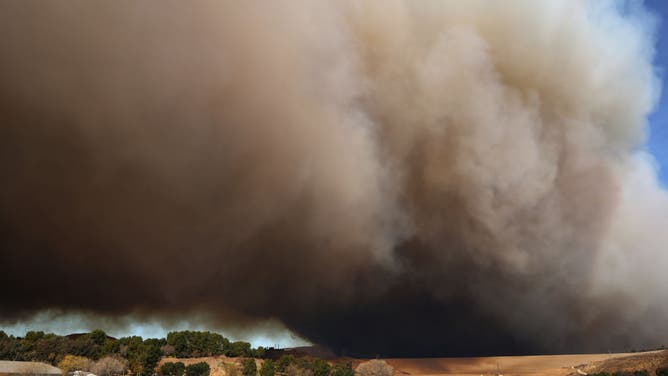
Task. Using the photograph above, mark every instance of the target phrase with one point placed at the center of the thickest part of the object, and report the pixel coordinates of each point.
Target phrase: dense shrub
(305, 362)
(141, 355)
(342, 370)
(295, 370)
(110, 366)
(283, 362)
(267, 368)
(71, 363)
(150, 357)
(250, 368)
(172, 369)
(198, 369)
(192, 344)
(320, 368)
(239, 348)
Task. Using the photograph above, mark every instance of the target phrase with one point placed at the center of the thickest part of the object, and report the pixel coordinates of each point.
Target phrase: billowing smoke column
(382, 177)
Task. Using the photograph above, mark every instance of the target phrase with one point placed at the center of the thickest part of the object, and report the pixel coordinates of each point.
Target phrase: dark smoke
(382, 177)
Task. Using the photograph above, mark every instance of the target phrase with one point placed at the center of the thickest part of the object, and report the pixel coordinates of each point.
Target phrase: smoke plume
(382, 177)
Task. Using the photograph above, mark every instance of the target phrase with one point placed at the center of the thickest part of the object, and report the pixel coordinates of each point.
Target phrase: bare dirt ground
(551, 365)
(649, 361)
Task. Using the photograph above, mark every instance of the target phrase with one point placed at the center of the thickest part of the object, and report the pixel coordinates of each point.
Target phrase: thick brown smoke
(383, 177)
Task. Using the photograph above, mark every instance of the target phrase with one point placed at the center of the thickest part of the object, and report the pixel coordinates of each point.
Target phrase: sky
(268, 335)
(657, 143)
(318, 186)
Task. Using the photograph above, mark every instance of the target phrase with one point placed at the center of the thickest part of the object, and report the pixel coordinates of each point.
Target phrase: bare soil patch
(551, 365)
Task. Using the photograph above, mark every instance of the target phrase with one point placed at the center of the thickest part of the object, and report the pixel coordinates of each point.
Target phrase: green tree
(215, 344)
(110, 346)
(250, 368)
(33, 336)
(258, 352)
(267, 368)
(198, 369)
(98, 337)
(131, 347)
(150, 356)
(49, 348)
(9, 348)
(27, 345)
(342, 370)
(662, 371)
(82, 346)
(172, 369)
(239, 348)
(195, 344)
(179, 341)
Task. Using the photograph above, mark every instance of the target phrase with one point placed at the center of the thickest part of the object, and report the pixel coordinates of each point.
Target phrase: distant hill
(77, 335)
(315, 351)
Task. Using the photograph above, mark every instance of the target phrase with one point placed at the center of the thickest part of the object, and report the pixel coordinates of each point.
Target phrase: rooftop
(8, 366)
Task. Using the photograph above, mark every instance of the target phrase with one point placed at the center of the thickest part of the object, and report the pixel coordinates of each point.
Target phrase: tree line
(140, 355)
(103, 355)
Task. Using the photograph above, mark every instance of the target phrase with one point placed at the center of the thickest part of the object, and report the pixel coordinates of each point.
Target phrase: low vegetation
(374, 368)
(267, 368)
(172, 369)
(98, 353)
(107, 366)
(623, 373)
(250, 368)
(198, 369)
(110, 366)
(71, 363)
(103, 355)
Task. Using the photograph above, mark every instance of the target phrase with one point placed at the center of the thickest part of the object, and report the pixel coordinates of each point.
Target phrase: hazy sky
(658, 138)
(271, 335)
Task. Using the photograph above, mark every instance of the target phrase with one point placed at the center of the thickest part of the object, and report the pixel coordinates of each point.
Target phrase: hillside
(553, 365)
(549, 365)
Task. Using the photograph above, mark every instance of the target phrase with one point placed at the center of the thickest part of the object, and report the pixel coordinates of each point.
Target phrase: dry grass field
(549, 365)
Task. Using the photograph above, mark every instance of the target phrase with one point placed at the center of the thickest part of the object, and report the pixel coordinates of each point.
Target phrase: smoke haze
(381, 177)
